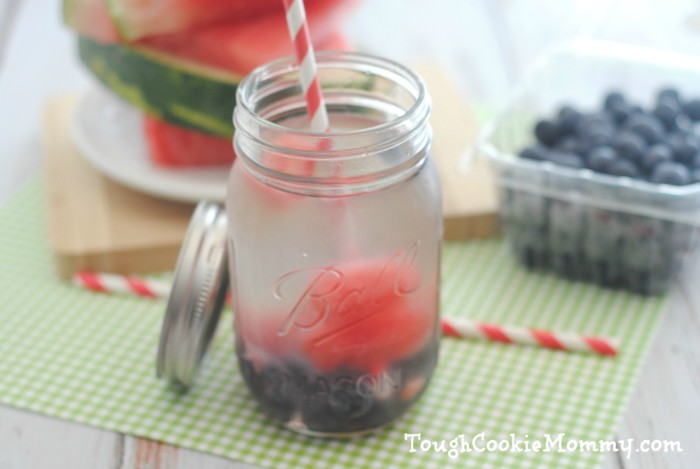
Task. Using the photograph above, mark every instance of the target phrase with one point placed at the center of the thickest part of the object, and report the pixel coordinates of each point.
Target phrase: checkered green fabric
(89, 358)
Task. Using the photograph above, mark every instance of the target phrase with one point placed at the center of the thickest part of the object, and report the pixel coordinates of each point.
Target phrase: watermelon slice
(130, 21)
(173, 146)
(137, 19)
(192, 82)
(241, 47)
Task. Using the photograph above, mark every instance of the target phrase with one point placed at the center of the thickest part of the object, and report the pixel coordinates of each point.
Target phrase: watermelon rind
(116, 11)
(70, 10)
(177, 91)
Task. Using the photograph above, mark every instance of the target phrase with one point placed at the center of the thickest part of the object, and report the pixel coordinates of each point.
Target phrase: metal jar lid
(197, 297)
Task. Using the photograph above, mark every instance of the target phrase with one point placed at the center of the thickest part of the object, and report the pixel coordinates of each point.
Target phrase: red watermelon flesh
(173, 146)
(363, 315)
(146, 18)
(240, 47)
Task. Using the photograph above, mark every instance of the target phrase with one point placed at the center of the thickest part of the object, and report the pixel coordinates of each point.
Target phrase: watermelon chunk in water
(173, 146)
(362, 315)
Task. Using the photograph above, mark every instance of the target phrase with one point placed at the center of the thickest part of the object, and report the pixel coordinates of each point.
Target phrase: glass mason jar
(334, 244)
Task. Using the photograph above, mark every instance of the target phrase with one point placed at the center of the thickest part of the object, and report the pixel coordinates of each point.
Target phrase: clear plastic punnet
(612, 230)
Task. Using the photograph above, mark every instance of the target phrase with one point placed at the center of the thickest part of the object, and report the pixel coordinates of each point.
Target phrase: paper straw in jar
(308, 72)
(451, 327)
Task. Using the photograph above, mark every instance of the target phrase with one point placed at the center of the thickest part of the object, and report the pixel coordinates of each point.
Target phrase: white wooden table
(486, 43)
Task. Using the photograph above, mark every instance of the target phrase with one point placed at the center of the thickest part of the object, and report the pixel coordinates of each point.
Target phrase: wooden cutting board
(97, 224)
(469, 198)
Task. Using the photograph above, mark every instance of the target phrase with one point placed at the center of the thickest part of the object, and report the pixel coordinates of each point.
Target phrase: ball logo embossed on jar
(397, 278)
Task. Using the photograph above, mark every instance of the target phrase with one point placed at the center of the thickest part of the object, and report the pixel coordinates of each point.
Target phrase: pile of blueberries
(338, 402)
(613, 248)
(660, 145)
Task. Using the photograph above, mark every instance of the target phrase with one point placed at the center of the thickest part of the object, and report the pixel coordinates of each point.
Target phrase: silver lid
(197, 296)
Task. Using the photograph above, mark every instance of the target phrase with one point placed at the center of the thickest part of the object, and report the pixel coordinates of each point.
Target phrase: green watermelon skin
(178, 91)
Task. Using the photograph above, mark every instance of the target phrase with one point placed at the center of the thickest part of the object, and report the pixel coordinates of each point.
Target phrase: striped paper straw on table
(308, 73)
(451, 327)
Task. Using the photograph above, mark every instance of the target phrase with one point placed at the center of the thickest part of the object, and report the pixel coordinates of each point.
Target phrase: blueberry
(337, 403)
(548, 132)
(614, 98)
(349, 402)
(273, 386)
(670, 95)
(627, 168)
(593, 131)
(589, 123)
(629, 145)
(655, 155)
(535, 152)
(667, 113)
(620, 112)
(684, 147)
(601, 159)
(563, 158)
(568, 144)
(695, 175)
(692, 109)
(568, 118)
(670, 172)
(636, 109)
(646, 126)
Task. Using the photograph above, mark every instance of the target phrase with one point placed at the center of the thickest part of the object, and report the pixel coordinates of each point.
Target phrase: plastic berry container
(612, 230)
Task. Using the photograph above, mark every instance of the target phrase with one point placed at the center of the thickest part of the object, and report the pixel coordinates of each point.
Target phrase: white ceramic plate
(109, 135)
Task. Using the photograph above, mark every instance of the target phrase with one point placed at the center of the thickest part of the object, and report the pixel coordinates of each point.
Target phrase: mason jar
(334, 244)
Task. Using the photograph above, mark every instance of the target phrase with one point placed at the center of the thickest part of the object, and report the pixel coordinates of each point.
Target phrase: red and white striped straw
(451, 327)
(308, 73)
(464, 329)
(114, 283)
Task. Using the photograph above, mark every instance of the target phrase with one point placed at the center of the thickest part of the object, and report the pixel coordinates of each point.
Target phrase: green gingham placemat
(89, 358)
